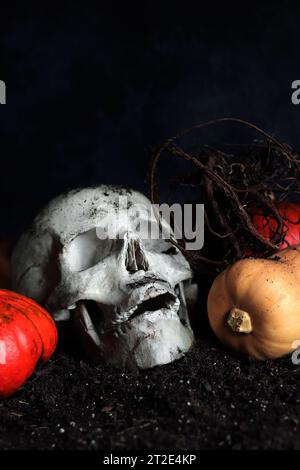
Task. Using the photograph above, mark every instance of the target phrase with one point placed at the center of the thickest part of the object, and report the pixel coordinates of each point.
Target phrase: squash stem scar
(239, 321)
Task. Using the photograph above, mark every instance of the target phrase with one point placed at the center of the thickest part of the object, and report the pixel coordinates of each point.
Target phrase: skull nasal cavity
(135, 257)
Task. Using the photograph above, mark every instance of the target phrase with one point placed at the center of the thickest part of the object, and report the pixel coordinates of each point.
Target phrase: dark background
(92, 90)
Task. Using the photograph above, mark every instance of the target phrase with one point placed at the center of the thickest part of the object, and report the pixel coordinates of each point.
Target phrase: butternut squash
(254, 305)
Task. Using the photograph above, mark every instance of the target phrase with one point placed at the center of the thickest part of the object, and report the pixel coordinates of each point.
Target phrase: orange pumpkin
(28, 336)
(254, 305)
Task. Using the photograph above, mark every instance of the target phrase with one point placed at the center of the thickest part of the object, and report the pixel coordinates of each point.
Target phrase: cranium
(125, 294)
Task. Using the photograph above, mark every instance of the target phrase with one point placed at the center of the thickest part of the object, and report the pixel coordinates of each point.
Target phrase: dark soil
(207, 400)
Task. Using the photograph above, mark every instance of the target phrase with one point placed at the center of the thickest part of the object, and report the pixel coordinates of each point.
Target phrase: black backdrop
(91, 90)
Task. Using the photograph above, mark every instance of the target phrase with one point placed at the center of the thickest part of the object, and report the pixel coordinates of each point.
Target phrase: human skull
(125, 293)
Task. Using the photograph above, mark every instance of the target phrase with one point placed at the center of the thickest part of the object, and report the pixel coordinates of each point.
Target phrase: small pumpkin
(28, 336)
(254, 305)
(267, 225)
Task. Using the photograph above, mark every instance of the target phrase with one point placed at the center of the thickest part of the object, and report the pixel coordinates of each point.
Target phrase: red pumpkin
(28, 336)
(267, 225)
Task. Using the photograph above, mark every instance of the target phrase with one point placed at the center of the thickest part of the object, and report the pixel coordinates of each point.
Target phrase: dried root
(233, 181)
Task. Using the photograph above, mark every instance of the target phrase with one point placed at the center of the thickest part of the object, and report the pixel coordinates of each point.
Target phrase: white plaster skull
(125, 295)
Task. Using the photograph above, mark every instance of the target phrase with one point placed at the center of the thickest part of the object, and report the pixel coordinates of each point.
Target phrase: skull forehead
(80, 210)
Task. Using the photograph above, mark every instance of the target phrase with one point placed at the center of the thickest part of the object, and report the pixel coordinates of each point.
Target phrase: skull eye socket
(87, 250)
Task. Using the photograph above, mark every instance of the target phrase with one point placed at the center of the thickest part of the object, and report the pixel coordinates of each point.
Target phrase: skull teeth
(168, 303)
(72, 307)
(85, 320)
(165, 301)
